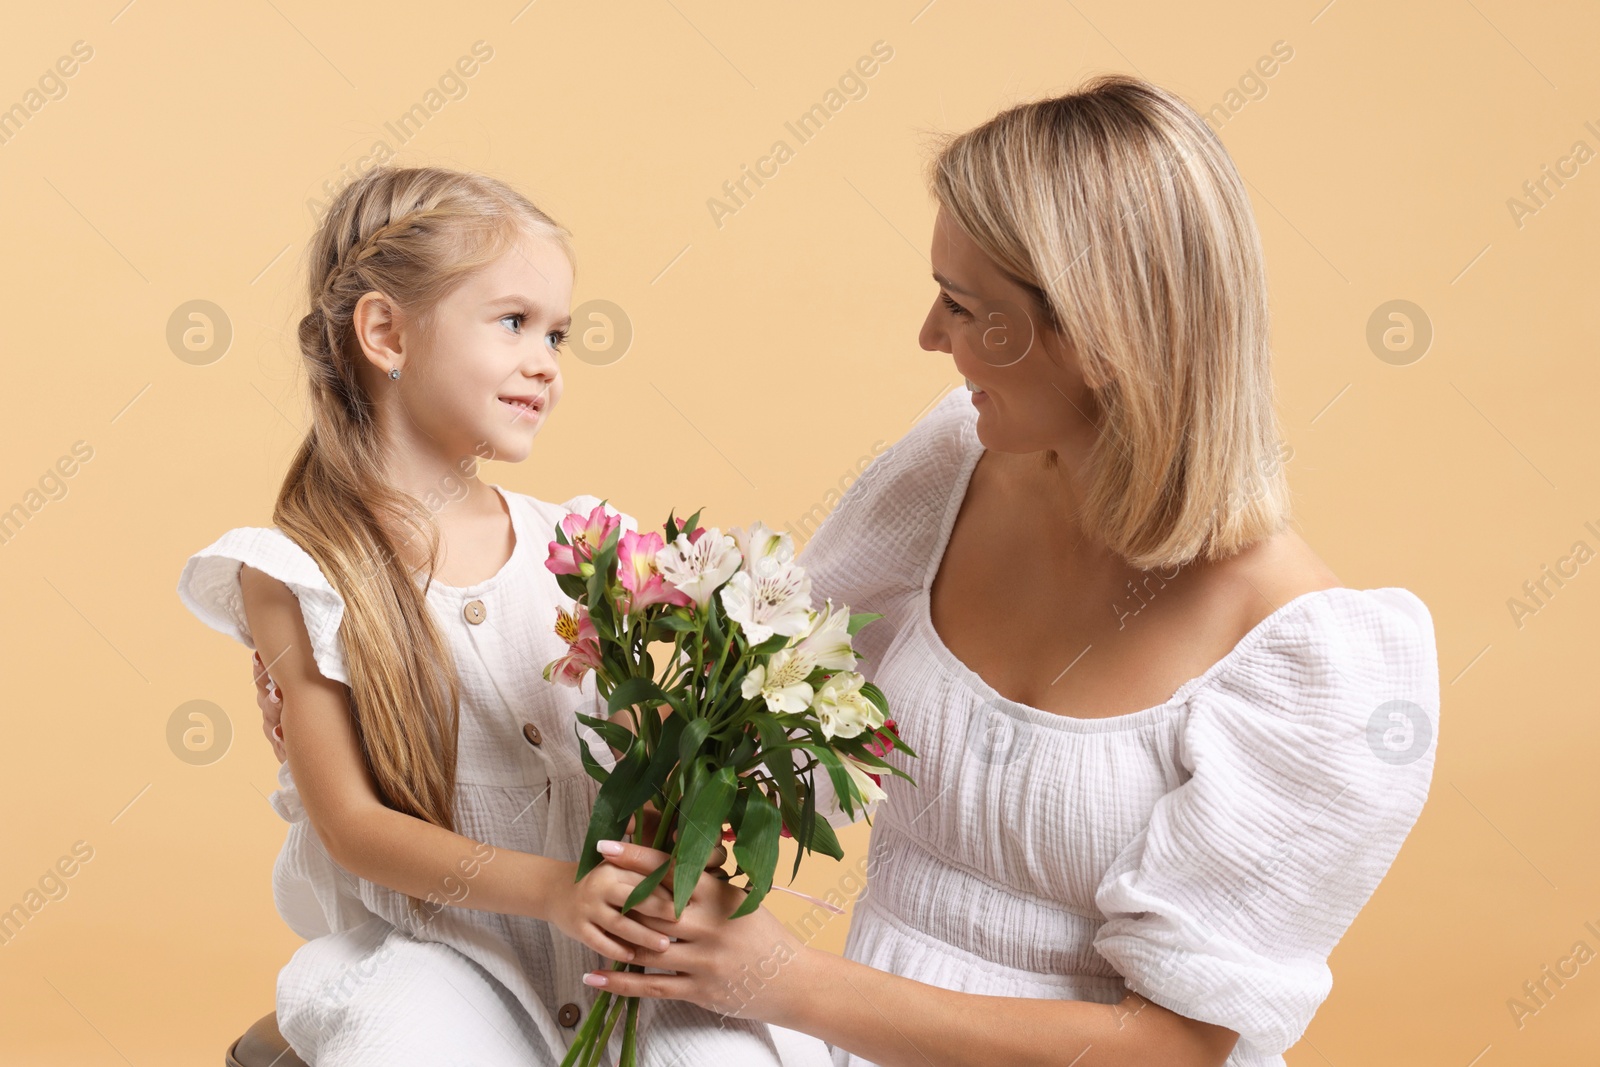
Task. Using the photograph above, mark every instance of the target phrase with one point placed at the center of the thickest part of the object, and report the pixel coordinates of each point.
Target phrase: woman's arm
(397, 850)
(753, 967)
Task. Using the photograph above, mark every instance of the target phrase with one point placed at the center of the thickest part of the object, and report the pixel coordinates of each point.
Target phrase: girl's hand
(749, 966)
(270, 701)
(590, 910)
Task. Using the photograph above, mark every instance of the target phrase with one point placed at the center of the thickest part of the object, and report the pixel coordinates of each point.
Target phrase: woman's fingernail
(594, 979)
(609, 848)
(663, 945)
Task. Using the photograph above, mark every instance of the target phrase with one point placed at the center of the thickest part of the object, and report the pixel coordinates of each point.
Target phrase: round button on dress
(473, 612)
(531, 732)
(568, 1015)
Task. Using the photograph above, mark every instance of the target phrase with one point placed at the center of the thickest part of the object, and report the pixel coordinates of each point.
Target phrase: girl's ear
(376, 324)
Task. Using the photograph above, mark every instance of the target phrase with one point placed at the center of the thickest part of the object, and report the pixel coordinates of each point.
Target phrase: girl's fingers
(636, 933)
(607, 947)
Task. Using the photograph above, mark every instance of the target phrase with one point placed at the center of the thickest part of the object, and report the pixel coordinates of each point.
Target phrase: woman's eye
(953, 307)
(517, 316)
(557, 338)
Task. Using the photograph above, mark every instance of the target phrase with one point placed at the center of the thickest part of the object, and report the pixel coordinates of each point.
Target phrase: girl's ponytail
(412, 234)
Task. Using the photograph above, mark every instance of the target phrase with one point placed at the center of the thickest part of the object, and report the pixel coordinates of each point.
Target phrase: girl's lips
(525, 408)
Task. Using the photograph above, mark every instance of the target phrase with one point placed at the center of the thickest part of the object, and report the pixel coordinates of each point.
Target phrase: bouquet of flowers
(759, 692)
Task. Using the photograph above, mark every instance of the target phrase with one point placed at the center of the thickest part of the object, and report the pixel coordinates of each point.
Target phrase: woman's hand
(590, 910)
(747, 966)
(270, 701)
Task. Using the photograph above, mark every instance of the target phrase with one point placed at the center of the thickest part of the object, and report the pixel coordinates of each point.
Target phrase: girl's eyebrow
(948, 284)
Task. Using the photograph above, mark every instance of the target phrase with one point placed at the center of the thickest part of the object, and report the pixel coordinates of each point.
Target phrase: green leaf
(771, 645)
(858, 620)
(756, 849)
(573, 586)
(633, 691)
(699, 831)
(694, 736)
(824, 840)
(646, 887)
(614, 734)
(676, 624)
(842, 786)
(611, 812)
(714, 623)
(778, 757)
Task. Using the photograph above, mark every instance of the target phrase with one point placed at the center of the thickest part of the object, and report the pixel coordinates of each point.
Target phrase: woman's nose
(932, 338)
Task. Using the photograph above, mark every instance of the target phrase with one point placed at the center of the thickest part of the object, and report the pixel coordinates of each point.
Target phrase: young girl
(433, 784)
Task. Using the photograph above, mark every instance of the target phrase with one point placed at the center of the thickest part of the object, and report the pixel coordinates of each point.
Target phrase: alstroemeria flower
(882, 742)
(781, 681)
(772, 598)
(697, 563)
(642, 582)
(826, 639)
(585, 535)
(760, 545)
(843, 709)
(583, 647)
(866, 782)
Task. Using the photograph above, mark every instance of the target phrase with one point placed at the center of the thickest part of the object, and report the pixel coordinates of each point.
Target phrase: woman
(1165, 757)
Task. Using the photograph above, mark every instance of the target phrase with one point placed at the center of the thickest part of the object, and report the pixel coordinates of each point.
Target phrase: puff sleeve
(1310, 758)
(209, 587)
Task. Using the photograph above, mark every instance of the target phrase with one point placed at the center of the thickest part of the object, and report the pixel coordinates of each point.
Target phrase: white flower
(843, 709)
(698, 568)
(826, 640)
(870, 791)
(762, 546)
(774, 598)
(781, 681)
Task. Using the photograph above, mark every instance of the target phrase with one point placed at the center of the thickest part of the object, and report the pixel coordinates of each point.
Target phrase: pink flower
(583, 647)
(882, 742)
(642, 581)
(585, 535)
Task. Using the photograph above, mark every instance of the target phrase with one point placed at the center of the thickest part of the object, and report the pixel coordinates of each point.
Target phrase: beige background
(178, 166)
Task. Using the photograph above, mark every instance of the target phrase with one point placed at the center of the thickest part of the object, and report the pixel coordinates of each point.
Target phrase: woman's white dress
(378, 983)
(1206, 853)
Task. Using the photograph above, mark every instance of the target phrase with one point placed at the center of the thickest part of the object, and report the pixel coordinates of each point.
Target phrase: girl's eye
(953, 307)
(557, 338)
(515, 315)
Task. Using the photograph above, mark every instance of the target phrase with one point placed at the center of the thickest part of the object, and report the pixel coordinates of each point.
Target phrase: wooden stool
(263, 1046)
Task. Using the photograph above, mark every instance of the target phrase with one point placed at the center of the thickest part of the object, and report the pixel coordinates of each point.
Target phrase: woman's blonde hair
(1117, 208)
(412, 234)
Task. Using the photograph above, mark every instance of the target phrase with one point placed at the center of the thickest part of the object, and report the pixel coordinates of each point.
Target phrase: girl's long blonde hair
(1120, 211)
(412, 234)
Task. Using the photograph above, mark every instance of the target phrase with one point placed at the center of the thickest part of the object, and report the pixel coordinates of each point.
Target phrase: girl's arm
(754, 967)
(398, 850)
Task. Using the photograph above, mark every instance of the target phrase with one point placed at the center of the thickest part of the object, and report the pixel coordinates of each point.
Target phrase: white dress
(1206, 853)
(377, 983)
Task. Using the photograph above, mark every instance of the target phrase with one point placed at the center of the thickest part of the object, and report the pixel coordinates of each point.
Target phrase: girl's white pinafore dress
(378, 982)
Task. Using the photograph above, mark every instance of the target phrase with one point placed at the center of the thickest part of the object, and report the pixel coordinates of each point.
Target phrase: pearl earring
(394, 373)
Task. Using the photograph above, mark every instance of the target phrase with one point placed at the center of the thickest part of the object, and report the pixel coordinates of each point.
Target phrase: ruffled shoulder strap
(879, 539)
(209, 587)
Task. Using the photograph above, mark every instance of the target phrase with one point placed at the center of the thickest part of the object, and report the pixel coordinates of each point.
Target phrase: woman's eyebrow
(948, 284)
